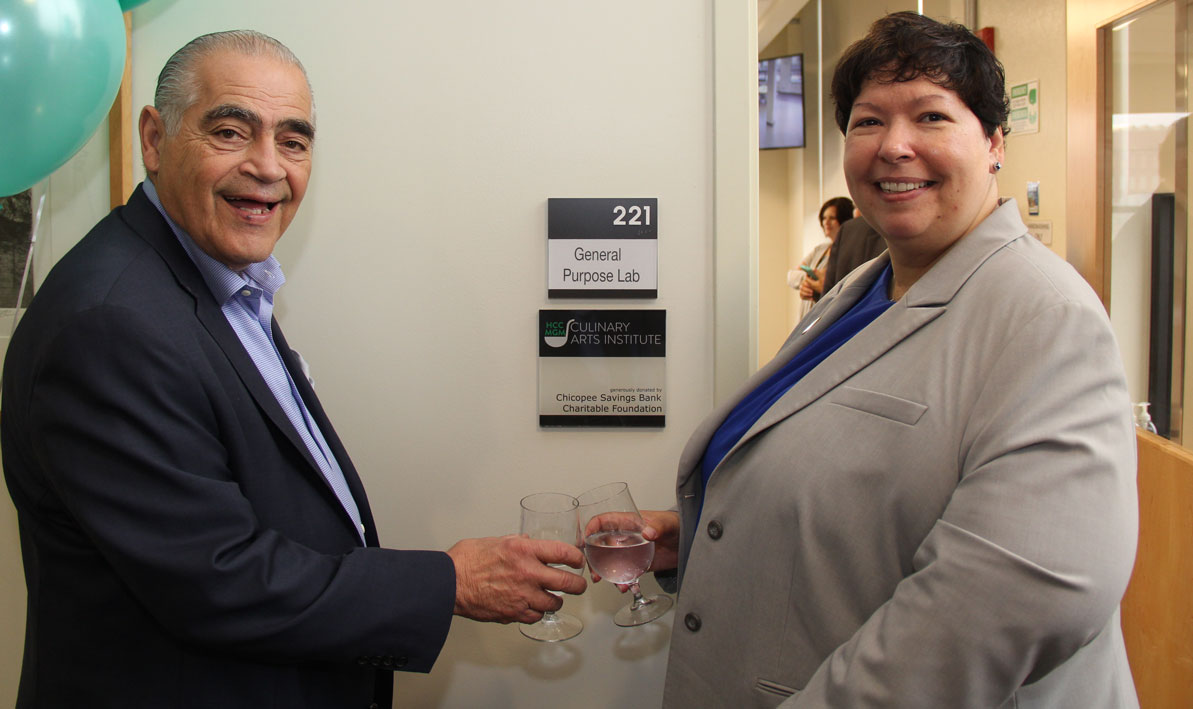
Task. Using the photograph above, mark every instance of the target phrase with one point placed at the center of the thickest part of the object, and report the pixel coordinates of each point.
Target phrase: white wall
(416, 268)
(1029, 39)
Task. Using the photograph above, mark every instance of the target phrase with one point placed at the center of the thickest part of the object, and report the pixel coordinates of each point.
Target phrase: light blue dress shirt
(247, 302)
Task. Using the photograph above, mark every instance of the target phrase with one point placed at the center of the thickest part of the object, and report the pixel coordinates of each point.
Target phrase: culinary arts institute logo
(555, 332)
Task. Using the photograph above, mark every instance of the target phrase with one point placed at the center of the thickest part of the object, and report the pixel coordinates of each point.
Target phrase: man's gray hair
(178, 85)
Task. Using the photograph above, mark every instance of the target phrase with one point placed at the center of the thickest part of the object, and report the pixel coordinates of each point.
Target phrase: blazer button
(715, 530)
(692, 621)
(374, 705)
(362, 660)
(401, 662)
(387, 661)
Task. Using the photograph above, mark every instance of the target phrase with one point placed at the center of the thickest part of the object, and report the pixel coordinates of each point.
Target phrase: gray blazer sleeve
(1033, 551)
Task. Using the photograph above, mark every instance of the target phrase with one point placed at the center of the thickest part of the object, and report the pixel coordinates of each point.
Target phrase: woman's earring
(997, 166)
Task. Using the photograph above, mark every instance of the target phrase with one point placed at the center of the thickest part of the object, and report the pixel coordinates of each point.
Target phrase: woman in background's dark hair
(903, 46)
(844, 207)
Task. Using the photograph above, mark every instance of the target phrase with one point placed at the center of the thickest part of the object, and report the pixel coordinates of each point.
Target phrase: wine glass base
(652, 608)
(553, 628)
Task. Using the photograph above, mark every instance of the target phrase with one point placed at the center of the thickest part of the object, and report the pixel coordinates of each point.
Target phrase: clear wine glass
(615, 548)
(552, 515)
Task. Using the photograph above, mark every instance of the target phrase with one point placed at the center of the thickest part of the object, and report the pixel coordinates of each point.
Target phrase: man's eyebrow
(228, 110)
(298, 125)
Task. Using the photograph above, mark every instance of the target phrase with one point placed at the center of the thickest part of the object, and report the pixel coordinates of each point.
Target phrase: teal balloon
(126, 5)
(61, 62)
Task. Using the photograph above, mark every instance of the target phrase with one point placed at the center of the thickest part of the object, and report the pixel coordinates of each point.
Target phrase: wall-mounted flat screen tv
(781, 102)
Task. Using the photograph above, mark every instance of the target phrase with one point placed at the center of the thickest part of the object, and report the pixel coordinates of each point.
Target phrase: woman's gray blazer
(941, 515)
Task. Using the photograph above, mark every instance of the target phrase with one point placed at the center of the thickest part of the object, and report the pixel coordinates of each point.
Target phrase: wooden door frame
(1087, 43)
(1157, 611)
(120, 129)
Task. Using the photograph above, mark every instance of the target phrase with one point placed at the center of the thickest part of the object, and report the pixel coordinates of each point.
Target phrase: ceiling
(773, 16)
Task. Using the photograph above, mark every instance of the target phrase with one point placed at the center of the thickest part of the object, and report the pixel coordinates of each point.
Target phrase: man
(193, 532)
(857, 243)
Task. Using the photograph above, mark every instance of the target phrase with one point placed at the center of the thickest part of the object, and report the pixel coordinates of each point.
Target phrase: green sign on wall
(1025, 108)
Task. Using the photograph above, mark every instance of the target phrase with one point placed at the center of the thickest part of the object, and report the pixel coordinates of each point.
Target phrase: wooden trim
(120, 129)
(1157, 610)
(1087, 25)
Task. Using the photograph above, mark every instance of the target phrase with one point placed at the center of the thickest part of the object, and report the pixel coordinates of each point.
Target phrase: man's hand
(504, 579)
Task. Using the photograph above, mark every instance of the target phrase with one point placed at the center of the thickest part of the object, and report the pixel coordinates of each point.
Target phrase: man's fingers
(552, 552)
(570, 583)
(507, 579)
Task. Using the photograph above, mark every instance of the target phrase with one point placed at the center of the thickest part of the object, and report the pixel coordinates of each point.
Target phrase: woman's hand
(662, 528)
(811, 289)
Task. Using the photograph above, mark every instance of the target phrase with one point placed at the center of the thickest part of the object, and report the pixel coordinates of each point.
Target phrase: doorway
(1146, 203)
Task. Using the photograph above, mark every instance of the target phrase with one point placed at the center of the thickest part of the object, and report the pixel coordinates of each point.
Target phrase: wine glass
(552, 515)
(615, 548)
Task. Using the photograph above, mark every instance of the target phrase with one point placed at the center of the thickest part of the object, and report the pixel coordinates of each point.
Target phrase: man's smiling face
(236, 170)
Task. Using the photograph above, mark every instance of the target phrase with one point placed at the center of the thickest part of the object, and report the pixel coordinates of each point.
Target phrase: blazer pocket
(879, 404)
(774, 689)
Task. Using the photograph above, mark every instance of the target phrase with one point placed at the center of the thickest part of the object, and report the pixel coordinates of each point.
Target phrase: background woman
(927, 499)
(833, 214)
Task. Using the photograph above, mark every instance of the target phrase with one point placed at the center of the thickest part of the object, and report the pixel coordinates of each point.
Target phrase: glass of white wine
(615, 548)
(552, 515)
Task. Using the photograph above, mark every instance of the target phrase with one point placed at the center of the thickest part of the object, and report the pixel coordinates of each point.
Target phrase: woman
(927, 499)
(833, 214)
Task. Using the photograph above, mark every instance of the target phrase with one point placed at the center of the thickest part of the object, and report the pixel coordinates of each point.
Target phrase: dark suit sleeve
(129, 423)
(857, 243)
(830, 270)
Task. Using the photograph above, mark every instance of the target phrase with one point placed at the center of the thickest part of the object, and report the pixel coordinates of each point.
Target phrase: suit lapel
(148, 223)
(315, 407)
(832, 306)
(212, 318)
(890, 328)
(859, 351)
(923, 303)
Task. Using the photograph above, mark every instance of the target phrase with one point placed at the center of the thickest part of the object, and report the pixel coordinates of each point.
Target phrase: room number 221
(632, 216)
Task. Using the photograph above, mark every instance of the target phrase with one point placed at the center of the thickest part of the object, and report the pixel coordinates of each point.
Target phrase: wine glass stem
(639, 601)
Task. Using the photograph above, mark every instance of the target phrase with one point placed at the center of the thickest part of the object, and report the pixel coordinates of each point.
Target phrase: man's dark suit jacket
(856, 243)
(181, 549)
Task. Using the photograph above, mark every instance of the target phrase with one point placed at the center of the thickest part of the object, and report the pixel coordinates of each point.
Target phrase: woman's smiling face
(919, 167)
(829, 222)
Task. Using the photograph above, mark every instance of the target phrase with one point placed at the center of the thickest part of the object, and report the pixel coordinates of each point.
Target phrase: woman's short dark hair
(904, 46)
(844, 207)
